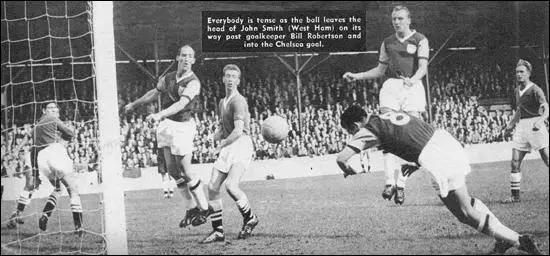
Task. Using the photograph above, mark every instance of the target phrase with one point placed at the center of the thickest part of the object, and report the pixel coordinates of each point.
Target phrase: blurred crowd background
(456, 92)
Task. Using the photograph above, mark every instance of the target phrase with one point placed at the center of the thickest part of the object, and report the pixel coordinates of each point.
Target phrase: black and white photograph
(275, 127)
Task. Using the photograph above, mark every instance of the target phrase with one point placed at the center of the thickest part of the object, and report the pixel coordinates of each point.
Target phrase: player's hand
(154, 118)
(349, 77)
(129, 107)
(407, 81)
(219, 147)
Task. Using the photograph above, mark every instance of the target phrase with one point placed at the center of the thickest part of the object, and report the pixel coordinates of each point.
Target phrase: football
(275, 129)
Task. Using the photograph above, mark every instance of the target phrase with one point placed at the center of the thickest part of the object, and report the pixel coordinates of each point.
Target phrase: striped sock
(216, 216)
(515, 181)
(50, 204)
(76, 208)
(244, 207)
(24, 200)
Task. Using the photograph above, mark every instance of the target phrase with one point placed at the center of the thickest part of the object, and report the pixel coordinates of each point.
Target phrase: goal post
(109, 126)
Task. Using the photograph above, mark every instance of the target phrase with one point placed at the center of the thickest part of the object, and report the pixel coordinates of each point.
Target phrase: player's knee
(213, 188)
(181, 182)
(232, 188)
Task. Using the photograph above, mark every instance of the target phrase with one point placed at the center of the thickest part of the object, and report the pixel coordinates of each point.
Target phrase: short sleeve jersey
(402, 56)
(235, 108)
(175, 90)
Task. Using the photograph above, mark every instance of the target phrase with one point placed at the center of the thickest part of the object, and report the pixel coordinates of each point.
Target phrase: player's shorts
(240, 151)
(178, 136)
(525, 139)
(446, 160)
(395, 95)
(54, 162)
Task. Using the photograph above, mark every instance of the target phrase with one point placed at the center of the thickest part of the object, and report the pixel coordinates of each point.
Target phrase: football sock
(76, 208)
(188, 201)
(24, 200)
(51, 203)
(244, 207)
(401, 179)
(198, 193)
(515, 181)
(389, 170)
(216, 216)
(490, 225)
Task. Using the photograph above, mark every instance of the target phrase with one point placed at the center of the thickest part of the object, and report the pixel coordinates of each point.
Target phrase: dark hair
(46, 103)
(352, 114)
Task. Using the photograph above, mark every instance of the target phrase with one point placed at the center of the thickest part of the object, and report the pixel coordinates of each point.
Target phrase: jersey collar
(521, 92)
(179, 79)
(405, 38)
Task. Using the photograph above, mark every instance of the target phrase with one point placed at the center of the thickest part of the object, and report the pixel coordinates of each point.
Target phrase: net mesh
(47, 54)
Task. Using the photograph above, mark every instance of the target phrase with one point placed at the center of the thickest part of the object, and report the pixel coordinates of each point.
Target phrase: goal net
(49, 53)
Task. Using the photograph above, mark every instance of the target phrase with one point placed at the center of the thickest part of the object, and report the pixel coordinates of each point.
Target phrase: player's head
(231, 76)
(50, 108)
(352, 118)
(401, 18)
(185, 58)
(523, 71)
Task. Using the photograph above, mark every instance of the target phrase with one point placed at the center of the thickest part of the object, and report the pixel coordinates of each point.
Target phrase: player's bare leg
(544, 155)
(189, 203)
(232, 185)
(196, 188)
(69, 181)
(475, 213)
(515, 175)
(215, 201)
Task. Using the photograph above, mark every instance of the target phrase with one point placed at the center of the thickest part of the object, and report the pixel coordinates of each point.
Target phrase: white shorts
(54, 162)
(395, 95)
(240, 151)
(525, 139)
(446, 160)
(178, 136)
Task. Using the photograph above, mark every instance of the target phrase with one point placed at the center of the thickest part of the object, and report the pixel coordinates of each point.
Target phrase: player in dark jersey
(531, 133)
(441, 154)
(50, 156)
(176, 131)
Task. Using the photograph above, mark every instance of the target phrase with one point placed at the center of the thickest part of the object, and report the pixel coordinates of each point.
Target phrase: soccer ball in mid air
(275, 129)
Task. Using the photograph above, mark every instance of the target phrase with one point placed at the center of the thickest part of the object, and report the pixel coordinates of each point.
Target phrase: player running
(531, 133)
(176, 131)
(235, 154)
(50, 156)
(441, 154)
(406, 53)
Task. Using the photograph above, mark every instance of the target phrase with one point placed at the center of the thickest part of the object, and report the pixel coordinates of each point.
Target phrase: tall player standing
(50, 156)
(531, 133)
(406, 53)
(176, 131)
(235, 154)
(441, 154)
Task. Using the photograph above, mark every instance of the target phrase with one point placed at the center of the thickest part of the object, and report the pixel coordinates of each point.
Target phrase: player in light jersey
(441, 154)
(50, 156)
(531, 133)
(235, 154)
(406, 53)
(176, 131)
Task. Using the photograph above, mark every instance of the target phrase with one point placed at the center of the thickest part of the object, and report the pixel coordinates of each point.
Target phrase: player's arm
(186, 95)
(240, 108)
(66, 132)
(376, 72)
(362, 140)
(543, 105)
(515, 118)
(148, 97)
(423, 56)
